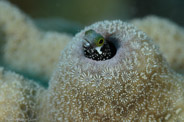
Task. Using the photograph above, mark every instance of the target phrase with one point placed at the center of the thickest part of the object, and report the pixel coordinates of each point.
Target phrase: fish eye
(100, 42)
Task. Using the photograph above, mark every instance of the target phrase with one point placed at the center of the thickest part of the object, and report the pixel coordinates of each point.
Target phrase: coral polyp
(135, 84)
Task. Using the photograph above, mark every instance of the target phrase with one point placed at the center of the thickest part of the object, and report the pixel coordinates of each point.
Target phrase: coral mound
(168, 35)
(18, 98)
(136, 84)
(20, 39)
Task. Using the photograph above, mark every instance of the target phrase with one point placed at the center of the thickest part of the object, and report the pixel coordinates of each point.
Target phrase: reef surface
(136, 84)
(36, 52)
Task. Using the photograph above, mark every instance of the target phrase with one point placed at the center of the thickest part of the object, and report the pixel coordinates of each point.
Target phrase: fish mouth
(86, 43)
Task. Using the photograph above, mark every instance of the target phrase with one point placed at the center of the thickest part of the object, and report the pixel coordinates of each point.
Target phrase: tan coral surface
(18, 98)
(26, 48)
(168, 35)
(136, 84)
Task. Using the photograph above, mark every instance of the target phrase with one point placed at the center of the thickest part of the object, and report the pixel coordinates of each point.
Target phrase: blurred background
(72, 15)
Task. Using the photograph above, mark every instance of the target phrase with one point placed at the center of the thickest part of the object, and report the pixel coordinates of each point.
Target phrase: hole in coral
(105, 52)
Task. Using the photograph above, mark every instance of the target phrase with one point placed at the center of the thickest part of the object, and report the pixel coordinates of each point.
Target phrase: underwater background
(72, 15)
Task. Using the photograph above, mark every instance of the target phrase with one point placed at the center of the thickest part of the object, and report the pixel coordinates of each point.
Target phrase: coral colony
(110, 71)
(135, 84)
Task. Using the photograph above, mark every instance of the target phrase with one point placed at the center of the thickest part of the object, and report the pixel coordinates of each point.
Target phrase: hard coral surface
(31, 47)
(136, 84)
(19, 98)
(168, 35)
